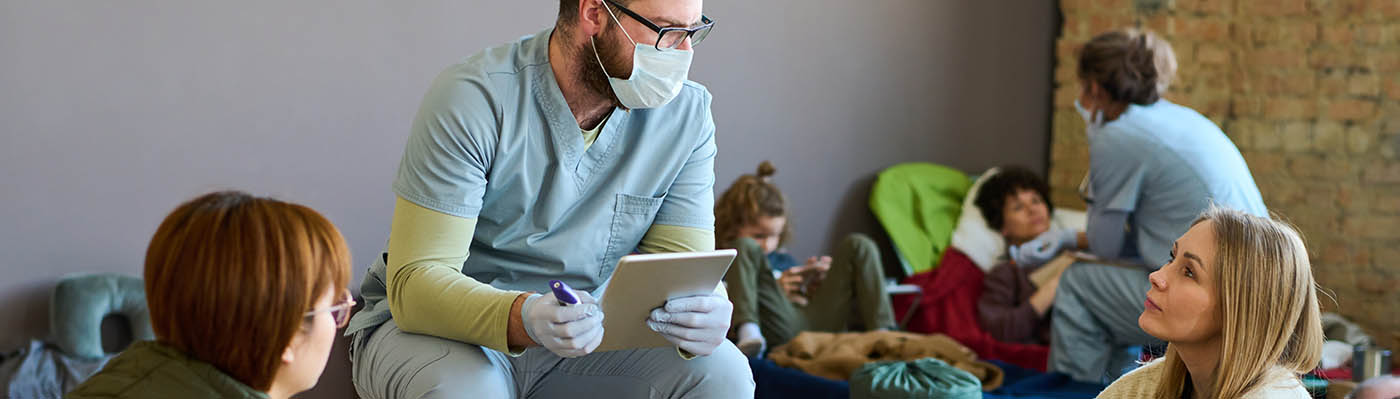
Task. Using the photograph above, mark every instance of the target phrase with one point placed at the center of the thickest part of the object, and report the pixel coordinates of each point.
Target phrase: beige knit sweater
(1142, 383)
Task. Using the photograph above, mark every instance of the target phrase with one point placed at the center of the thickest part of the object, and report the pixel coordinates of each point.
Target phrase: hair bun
(1123, 64)
(766, 170)
(1144, 64)
(1163, 58)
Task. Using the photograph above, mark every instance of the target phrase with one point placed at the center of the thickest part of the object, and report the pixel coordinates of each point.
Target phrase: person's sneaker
(751, 348)
(751, 341)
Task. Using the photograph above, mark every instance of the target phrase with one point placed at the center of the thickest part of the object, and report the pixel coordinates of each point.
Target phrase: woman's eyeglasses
(340, 311)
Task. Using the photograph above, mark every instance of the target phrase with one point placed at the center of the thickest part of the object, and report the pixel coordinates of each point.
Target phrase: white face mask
(1092, 122)
(657, 76)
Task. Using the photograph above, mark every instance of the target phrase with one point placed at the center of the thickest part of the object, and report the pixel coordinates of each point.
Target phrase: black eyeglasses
(669, 38)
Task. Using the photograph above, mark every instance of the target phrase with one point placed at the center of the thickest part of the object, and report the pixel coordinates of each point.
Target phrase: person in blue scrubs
(1154, 166)
(549, 158)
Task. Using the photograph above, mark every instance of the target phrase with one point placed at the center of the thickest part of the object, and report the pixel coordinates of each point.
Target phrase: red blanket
(949, 306)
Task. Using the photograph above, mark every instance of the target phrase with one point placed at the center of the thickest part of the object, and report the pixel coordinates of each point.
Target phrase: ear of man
(590, 19)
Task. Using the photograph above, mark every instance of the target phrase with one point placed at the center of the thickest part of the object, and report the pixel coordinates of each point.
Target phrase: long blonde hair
(1268, 304)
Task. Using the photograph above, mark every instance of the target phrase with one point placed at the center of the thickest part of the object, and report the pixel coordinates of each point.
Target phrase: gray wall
(111, 113)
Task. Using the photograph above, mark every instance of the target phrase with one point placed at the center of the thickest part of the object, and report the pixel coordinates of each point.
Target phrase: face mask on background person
(657, 75)
(1092, 122)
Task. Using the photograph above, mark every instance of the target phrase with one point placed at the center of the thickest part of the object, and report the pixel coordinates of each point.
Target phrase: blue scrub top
(1163, 164)
(494, 140)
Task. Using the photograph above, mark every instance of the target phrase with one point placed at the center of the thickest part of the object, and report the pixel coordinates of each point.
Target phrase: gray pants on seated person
(1095, 321)
(389, 363)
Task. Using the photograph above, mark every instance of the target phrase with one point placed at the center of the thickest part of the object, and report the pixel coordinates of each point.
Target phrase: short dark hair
(1123, 65)
(991, 198)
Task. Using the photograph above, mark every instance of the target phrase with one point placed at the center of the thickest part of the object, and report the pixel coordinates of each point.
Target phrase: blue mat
(1025, 383)
(773, 381)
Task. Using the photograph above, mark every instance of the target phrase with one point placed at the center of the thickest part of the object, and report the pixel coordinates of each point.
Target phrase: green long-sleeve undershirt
(428, 294)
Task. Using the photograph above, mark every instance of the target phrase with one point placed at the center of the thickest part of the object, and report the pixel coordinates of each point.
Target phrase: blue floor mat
(774, 382)
(1024, 383)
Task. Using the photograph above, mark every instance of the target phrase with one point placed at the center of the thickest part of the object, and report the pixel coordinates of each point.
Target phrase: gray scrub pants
(1095, 321)
(389, 363)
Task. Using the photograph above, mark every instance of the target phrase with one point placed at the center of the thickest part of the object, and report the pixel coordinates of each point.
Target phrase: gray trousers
(1095, 321)
(389, 363)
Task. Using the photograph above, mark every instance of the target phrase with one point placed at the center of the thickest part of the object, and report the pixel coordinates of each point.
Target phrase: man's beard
(594, 79)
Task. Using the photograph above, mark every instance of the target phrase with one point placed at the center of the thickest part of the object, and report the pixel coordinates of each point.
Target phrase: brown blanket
(837, 355)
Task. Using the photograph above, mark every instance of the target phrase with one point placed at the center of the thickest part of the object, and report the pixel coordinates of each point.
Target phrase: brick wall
(1310, 92)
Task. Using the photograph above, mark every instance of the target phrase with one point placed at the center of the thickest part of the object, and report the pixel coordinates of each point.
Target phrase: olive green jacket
(152, 370)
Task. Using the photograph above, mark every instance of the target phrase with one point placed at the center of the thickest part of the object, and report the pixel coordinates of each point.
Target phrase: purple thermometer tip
(563, 293)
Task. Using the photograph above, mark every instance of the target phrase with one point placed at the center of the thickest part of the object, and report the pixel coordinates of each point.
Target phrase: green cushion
(81, 301)
(919, 204)
(923, 378)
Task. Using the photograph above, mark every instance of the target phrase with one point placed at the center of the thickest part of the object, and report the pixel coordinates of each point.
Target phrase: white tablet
(644, 282)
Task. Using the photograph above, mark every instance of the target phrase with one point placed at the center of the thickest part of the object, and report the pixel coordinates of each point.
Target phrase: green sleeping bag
(919, 204)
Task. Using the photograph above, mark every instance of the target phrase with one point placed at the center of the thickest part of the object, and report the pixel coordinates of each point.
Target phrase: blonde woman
(1238, 308)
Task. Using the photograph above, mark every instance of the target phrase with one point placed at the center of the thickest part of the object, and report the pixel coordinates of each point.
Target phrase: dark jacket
(1005, 309)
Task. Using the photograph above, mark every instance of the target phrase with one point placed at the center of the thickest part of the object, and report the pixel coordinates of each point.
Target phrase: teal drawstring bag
(922, 378)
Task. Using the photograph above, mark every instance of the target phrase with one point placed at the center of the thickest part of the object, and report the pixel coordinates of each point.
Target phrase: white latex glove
(696, 324)
(751, 341)
(566, 330)
(1043, 248)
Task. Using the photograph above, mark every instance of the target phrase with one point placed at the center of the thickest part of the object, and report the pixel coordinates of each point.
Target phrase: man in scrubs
(550, 158)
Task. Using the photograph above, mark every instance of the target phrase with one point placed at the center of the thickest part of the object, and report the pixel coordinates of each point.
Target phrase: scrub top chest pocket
(632, 216)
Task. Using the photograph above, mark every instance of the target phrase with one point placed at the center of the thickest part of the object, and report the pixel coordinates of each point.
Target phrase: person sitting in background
(835, 293)
(245, 295)
(1012, 308)
(1237, 305)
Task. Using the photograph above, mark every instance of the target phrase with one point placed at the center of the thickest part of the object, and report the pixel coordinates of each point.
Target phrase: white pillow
(985, 246)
